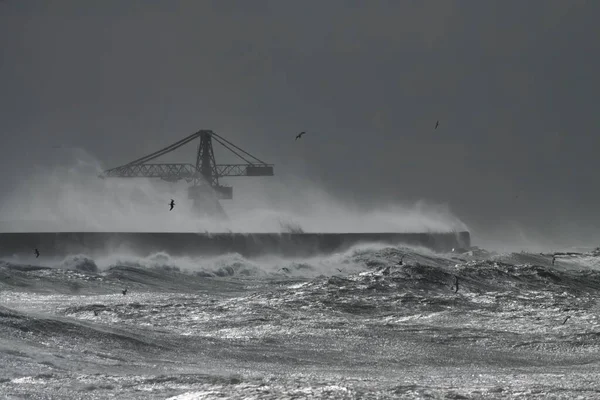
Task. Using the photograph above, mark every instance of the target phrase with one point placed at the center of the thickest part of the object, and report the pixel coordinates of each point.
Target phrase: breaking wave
(195, 327)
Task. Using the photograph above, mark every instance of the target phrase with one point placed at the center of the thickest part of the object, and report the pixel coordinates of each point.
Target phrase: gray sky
(514, 84)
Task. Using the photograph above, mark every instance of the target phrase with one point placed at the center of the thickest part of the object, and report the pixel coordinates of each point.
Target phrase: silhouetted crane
(204, 175)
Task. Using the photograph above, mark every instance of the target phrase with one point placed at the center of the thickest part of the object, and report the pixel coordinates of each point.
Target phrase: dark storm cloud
(514, 85)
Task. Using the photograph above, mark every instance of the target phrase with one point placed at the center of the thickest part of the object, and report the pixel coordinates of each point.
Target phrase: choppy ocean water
(355, 324)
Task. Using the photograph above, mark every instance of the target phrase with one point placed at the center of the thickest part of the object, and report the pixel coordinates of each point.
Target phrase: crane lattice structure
(204, 175)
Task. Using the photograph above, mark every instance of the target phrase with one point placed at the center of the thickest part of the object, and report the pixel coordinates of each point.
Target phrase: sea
(372, 322)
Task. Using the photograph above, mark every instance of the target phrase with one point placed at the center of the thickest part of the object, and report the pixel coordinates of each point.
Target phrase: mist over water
(514, 236)
(69, 196)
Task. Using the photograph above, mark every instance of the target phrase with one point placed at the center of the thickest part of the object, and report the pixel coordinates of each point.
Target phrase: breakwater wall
(194, 244)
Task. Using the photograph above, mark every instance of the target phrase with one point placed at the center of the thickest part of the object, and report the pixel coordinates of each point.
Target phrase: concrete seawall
(194, 244)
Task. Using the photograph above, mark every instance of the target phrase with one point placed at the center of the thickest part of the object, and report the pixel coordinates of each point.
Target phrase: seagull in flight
(437, 124)
(298, 136)
(172, 204)
(37, 253)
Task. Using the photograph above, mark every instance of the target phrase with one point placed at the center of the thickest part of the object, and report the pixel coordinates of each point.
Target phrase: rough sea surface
(351, 325)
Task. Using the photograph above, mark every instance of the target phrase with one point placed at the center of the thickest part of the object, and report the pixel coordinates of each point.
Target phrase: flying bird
(437, 124)
(37, 253)
(298, 136)
(172, 204)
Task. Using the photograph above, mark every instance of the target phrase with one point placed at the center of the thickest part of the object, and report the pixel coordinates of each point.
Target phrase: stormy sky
(514, 85)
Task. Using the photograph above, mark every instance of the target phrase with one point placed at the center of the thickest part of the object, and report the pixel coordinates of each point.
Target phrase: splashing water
(72, 198)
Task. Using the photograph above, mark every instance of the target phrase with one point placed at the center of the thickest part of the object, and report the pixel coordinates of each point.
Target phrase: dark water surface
(337, 326)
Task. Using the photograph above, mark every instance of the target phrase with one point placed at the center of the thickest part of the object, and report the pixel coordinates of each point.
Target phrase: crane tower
(205, 189)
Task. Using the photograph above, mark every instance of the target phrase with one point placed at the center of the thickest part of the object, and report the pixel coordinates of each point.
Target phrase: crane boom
(176, 172)
(205, 172)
